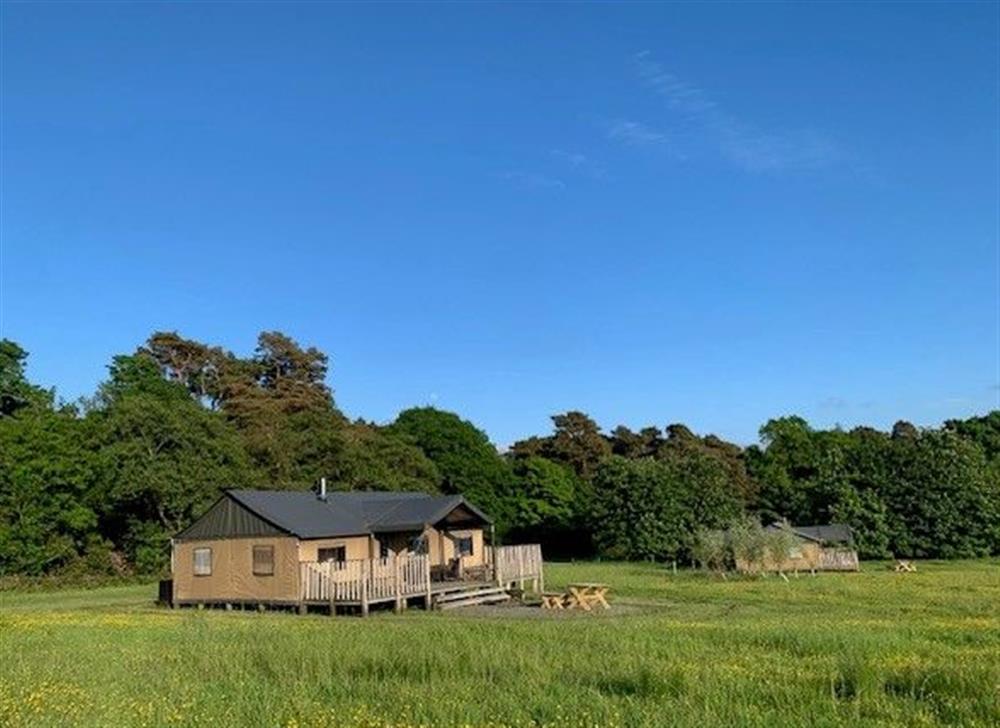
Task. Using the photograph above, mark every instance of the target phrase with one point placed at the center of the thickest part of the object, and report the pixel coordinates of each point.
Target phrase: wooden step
(460, 586)
(470, 592)
(495, 598)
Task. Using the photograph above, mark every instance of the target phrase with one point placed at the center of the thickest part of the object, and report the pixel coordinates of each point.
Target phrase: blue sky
(712, 214)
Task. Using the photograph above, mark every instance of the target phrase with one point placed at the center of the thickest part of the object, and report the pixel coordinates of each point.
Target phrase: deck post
(492, 551)
(427, 579)
(396, 583)
(365, 573)
(331, 591)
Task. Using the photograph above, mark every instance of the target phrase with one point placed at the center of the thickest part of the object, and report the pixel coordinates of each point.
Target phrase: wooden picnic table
(553, 600)
(587, 595)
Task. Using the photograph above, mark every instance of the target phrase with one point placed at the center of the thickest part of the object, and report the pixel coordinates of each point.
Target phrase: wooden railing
(833, 559)
(518, 564)
(364, 581)
(399, 577)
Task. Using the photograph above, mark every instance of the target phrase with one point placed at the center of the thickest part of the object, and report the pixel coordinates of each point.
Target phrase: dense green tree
(733, 458)
(529, 447)
(639, 511)
(866, 513)
(279, 401)
(551, 505)
(200, 368)
(576, 441)
(681, 440)
(16, 393)
(912, 493)
(652, 508)
(374, 459)
(941, 500)
(47, 476)
(859, 502)
(162, 459)
(786, 470)
(136, 374)
(642, 444)
(810, 476)
(904, 430)
(984, 431)
(546, 495)
(711, 498)
(464, 456)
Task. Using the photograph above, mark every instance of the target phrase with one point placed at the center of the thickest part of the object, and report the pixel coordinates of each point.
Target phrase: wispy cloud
(679, 94)
(634, 133)
(532, 181)
(741, 143)
(573, 159)
(580, 163)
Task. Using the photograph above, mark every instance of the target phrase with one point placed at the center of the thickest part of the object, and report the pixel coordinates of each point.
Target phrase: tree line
(99, 486)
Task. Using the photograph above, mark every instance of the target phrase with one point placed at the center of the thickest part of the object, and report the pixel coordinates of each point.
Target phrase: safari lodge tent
(300, 548)
(816, 548)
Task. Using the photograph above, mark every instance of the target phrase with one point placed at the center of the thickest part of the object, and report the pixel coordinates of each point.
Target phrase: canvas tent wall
(223, 570)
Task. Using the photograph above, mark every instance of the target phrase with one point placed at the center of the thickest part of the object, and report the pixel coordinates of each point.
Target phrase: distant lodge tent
(817, 548)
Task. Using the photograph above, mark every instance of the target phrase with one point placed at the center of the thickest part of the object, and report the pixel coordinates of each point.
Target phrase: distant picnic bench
(579, 595)
(903, 566)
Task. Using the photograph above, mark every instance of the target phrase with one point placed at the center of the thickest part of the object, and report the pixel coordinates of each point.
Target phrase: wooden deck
(398, 579)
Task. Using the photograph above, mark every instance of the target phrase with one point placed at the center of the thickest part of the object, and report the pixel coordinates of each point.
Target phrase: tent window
(464, 545)
(418, 545)
(263, 560)
(203, 562)
(336, 553)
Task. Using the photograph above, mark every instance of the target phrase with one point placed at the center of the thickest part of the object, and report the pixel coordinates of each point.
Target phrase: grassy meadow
(873, 648)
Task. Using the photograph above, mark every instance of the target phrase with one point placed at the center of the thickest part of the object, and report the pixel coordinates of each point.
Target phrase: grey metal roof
(407, 514)
(831, 533)
(228, 519)
(304, 514)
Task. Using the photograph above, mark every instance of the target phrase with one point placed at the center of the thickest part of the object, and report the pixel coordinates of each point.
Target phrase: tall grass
(874, 648)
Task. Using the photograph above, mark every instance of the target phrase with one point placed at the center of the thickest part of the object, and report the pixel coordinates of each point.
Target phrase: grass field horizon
(868, 648)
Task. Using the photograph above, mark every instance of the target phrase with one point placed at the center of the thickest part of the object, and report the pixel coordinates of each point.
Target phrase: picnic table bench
(581, 595)
(587, 595)
(553, 600)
